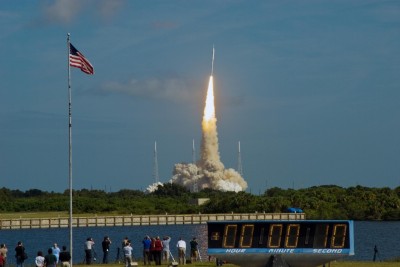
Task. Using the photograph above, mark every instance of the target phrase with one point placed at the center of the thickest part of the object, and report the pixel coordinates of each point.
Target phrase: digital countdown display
(280, 235)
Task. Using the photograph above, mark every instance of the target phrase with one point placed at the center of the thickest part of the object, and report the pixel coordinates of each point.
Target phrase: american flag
(78, 60)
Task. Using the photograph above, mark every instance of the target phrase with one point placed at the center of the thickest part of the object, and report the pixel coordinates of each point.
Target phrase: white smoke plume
(153, 187)
(209, 171)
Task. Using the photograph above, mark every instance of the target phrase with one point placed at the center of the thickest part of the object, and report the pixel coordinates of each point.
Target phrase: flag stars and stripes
(78, 60)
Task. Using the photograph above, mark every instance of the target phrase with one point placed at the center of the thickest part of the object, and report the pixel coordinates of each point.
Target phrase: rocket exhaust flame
(209, 171)
(209, 110)
(209, 144)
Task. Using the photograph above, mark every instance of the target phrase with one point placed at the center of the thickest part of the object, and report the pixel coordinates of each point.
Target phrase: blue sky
(309, 88)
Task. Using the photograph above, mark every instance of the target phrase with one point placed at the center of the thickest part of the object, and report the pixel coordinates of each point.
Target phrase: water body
(385, 235)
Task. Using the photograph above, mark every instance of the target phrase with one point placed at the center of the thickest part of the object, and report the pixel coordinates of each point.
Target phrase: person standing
(88, 250)
(56, 251)
(126, 239)
(65, 257)
(158, 246)
(20, 254)
(166, 250)
(181, 245)
(50, 259)
(152, 249)
(4, 250)
(121, 250)
(2, 259)
(194, 250)
(128, 254)
(106, 248)
(146, 250)
(39, 260)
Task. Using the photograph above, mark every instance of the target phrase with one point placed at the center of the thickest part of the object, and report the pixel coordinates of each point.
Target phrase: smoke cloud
(209, 171)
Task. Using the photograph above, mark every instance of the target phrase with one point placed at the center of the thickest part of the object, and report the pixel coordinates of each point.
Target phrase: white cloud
(65, 11)
(171, 89)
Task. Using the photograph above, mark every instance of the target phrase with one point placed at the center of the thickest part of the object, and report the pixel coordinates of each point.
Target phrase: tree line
(318, 202)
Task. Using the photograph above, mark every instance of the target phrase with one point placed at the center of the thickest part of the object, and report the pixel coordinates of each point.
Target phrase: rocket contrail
(212, 62)
(209, 171)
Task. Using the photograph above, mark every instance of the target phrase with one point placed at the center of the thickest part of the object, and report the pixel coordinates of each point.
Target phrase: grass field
(363, 263)
(333, 264)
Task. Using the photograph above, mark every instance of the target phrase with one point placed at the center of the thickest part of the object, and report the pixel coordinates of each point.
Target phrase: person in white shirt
(181, 245)
(88, 250)
(39, 260)
(166, 250)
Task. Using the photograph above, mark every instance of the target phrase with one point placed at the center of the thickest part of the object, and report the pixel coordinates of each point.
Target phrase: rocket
(212, 61)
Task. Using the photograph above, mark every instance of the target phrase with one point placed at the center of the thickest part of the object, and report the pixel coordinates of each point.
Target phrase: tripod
(376, 254)
(120, 256)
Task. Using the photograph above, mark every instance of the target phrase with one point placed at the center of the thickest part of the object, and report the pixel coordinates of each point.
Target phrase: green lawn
(364, 263)
(333, 264)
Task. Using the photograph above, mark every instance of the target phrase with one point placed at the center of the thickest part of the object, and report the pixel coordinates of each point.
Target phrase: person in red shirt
(158, 247)
(2, 261)
(152, 250)
(4, 250)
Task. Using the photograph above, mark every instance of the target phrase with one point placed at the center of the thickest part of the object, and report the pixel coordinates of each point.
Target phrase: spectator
(20, 254)
(1, 259)
(88, 250)
(106, 248)
(4, 250)
(194, 250)
(65, 257)
(128, 254)
(157, 250)
(166, 250)
(39, 260)
(56, 251)
(126, 239)
(153, 249)
(50, 259)
(146, 250)
(181, 245)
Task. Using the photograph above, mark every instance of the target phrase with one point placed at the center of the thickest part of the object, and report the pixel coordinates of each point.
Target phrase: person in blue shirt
(146, 250)
(56, 251)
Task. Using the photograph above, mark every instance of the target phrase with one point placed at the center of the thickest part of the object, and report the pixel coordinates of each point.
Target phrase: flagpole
(70, 149)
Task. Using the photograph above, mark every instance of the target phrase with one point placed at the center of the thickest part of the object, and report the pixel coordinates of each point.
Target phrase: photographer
(20, 254)
(106, 248)
(128, 254)
(88, 250)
